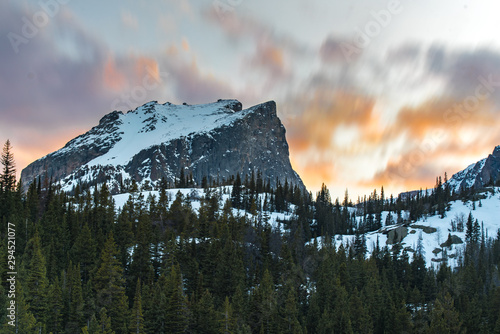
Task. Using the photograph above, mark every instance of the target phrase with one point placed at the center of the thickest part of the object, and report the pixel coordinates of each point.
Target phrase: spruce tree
(154, 308)
(360, 319)
(176, 315)
(37, 283)
(105, 326)
(228, 322)
(8, 176)
(76, 303)
(205, 318)
(290, 313)
(264, 304)
(136, 317)
(55, 307)
(236, 193)
(109, 286)
(469, 229)
(84, 251)
(142, 266)
(444, 317)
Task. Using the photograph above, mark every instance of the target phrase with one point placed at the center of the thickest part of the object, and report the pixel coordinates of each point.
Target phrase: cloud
(466, 70)
(337, 50)
(435, 142)
(435, 59)
(407, 53)
(315, 116)
(326, 129)
(185, 44)
(334, 124)
(129, 20)
(113, 79)
(419, 166)
(238, 27)
(60, 83)
(269, 60)
(167, 23)
(191, 85)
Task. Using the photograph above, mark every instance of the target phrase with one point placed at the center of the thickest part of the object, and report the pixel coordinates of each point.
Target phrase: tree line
(158, 266)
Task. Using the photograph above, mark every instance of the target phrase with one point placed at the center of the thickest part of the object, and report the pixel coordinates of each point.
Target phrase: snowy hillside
(195, 195)
(434, 230)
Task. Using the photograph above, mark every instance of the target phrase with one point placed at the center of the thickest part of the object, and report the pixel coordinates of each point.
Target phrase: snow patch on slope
(154, 124)
(487, 215)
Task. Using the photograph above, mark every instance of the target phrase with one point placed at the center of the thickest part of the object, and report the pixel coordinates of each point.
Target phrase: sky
(372, 93)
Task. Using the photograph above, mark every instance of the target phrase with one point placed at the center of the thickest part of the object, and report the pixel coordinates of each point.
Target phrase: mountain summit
(216, 140)
(479, 174)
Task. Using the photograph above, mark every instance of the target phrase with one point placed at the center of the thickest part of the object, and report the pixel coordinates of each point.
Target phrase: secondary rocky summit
(155, 141)
(482, 173)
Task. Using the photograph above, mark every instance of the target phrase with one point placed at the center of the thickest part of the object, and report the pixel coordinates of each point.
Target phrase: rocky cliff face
(156, 141)
(482, 173)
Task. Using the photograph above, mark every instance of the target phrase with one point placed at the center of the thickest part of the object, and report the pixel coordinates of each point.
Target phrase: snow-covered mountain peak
(153, 123)
(477, 175)
(155, 141)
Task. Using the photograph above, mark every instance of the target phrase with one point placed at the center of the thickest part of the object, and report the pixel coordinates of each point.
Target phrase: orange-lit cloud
(313, 122)
(145, 66)
(439, 138)
(444, 114)
(185, 45)
(113, 78)
(337, 136)
(321, 114)
(271, 59)
(316, 173)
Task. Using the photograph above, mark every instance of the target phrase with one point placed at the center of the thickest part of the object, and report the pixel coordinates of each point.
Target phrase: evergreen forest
(156, 265)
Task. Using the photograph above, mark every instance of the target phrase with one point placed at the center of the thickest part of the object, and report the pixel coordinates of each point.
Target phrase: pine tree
(93, 326)
(104, 323)
(109, 286)
(236, 193)
(444, 317)
(176, 317)
(469, 229)
(37, 283)
(136, 317)
(290, 314)
(55, 307)
(228, 322)
(476, 232)
(142, 266)
(265, 305)
(205, 319)
(76, 303)
(181, 183)
(89, 307)
(341, 312)
(154, 304)
(326, 324)
(8, 176)
(84, 251)
(360, 319)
